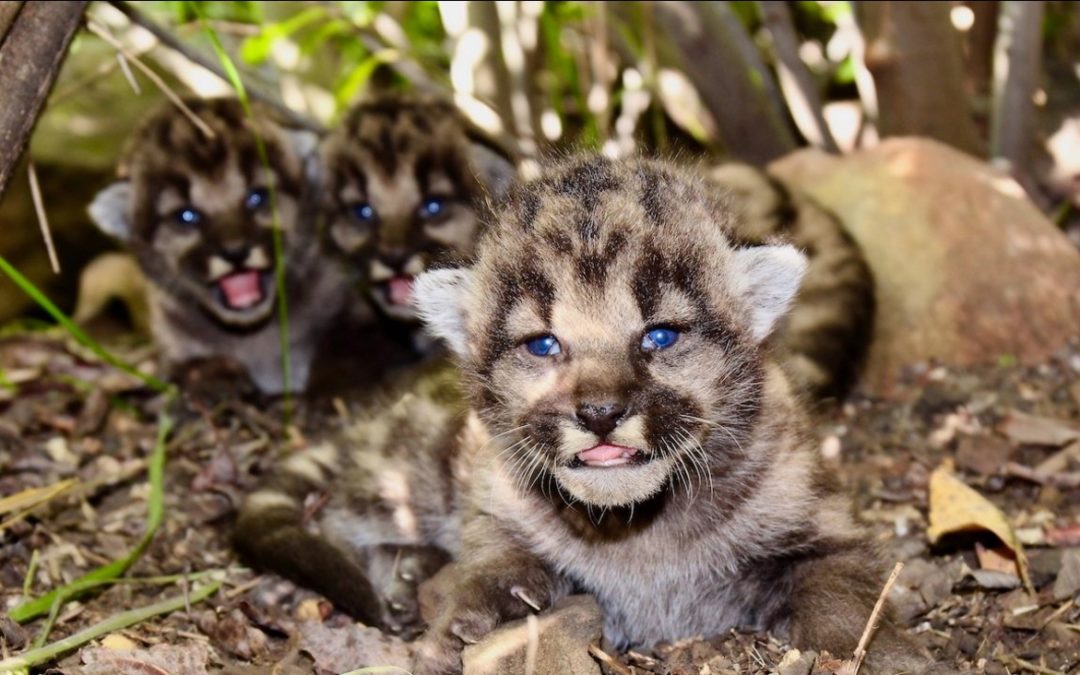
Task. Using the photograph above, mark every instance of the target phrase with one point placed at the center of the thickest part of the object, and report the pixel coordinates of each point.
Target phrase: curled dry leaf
(1021, 427)
(955, 507)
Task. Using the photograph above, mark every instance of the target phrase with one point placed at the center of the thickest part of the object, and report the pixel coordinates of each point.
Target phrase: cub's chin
(241, 300)
(615, 483)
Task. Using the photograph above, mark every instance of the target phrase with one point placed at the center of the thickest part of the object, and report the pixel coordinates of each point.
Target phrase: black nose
(600, 419)
(394, 258)
(235, 253)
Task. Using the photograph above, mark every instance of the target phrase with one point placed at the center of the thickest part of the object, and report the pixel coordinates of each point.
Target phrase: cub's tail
(826, 334)
(270, 534)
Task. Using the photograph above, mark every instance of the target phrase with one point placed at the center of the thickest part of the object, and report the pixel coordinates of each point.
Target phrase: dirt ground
(1011, 431)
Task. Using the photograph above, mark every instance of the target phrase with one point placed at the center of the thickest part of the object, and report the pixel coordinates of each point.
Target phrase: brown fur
(718, 519)
(825, 335)
(171, 166)
(395, 153)
(391, 486)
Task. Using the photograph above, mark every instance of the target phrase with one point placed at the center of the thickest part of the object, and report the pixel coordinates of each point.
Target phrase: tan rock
(966, 268)
(562, 637)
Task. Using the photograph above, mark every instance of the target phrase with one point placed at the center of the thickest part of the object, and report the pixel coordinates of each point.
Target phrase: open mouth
(242, 290)
(607, 455)
(398, 291)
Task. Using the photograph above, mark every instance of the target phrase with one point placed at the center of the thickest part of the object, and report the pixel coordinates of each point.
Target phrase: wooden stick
(172, 42)
(860, 651)
(43, 219)
(154, 77)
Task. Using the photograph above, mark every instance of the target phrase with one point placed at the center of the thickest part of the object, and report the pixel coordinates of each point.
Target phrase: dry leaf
(955, 507)
(1034, 430)
(118, 641)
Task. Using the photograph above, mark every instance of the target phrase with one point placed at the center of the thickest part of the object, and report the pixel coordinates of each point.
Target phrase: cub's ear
(305, 144)
(768, 279)
(440, 298)
(111, 210)
(495, 171)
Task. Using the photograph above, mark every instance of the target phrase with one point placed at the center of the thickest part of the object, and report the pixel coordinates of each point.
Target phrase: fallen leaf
(353, 646)
(1068, 535)
(1021, 427)
(955, 507)
(994, 559)
(191, 658)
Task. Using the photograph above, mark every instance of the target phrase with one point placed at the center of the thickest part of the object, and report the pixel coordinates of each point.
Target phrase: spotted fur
(715, 515)
(824, 337)
(396, 154)
(213, 290)
(388, 489)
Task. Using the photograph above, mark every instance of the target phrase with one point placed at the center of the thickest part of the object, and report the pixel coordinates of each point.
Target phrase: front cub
(645, 448)
(195, 210)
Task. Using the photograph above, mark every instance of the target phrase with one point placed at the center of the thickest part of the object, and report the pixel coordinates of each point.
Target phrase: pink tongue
(241, 289)
(606, 455)
(399, 289)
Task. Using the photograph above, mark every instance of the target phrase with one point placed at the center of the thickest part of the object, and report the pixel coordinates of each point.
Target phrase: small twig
(131, 617)
(43, 220)
(1065, 479)
(1017, 662)
(154, 77)
(31, 570)
(860, 650)
(608, 660)
(128, 75)
(169, 40)
(532, 624)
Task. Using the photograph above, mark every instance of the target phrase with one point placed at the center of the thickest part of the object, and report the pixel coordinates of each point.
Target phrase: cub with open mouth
(195, 204)
(406, 185)
(644, 447)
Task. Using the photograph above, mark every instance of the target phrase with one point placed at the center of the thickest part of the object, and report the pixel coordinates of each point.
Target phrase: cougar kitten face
(196, 210)
(406, 179)
(619, 331)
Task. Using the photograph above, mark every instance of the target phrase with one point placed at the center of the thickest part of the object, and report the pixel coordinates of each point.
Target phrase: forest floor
(88, 431)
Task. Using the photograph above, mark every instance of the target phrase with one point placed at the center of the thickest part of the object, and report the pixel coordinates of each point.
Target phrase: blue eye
(659, 338)
(256, 199)
(363, 212)
(188, 216)
(545, 345)
(432, 207)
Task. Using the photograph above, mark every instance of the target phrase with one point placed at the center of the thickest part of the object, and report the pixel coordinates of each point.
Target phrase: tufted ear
(495, 171)
(440, 297)
(305, 144)
(768, 278)
(111, 210)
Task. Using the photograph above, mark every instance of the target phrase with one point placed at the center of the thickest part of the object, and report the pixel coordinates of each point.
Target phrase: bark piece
(30, 57)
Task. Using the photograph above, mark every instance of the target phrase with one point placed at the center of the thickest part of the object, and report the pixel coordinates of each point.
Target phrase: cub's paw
(396, 573)
(211, 380)
(477, 606)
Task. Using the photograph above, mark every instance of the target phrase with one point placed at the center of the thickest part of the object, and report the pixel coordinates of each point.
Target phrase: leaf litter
(75, 437)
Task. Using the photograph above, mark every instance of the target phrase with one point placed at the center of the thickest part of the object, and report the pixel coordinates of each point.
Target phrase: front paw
(477, 605)
(396, 573)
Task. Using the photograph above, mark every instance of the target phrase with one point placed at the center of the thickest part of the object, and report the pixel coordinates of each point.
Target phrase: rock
(982, 454)
(966, 268)
(1068, 580)
(796, 663)
(565, 631)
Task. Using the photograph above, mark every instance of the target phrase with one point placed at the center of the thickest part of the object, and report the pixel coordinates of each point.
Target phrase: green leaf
(257, 49)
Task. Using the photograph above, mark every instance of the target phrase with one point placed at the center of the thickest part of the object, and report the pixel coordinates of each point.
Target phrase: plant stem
(115, 623)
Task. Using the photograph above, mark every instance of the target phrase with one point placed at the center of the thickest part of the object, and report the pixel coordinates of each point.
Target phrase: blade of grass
(155, 513)
(73, 329)
(279, 245)
(131, 617)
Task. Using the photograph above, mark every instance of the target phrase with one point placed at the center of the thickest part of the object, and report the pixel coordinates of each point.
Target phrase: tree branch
(172, 42)
(36, 42)
(796, 82)
(717, 55)
(1017, 60)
